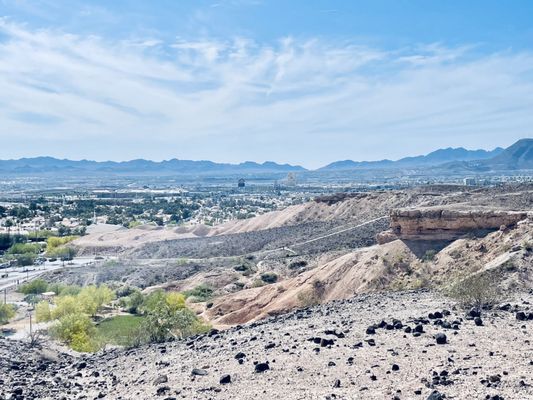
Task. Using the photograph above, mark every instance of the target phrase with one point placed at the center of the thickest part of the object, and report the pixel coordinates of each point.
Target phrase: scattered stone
(261, 367)
(199, 372)
(435, 395)
(160, 380)
(521, 316)
(440, 338)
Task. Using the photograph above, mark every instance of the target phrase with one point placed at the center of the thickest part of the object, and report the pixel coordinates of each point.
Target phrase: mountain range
(436, 157)
(516, 157)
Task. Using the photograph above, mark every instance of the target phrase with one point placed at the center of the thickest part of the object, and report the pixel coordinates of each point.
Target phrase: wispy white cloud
(308, 101)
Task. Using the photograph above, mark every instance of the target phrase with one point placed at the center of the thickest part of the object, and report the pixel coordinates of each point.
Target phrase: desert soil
(323, 352)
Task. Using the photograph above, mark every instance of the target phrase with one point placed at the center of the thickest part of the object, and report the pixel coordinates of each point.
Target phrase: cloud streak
(303, 101)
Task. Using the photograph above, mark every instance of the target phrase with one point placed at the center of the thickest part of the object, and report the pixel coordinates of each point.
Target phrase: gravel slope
(339, 362)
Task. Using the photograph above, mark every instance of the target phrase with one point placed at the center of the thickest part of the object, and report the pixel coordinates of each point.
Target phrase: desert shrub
(509, 266)
(32, 298)
(41, 234)
(125, 291)
(175, 301)
(241, 268)
(93, 298)
(66, 305)
(25, 260)
(479, 290)
(61, 289)
(200, 293)
(134, 302)
(269, 277)
(258, 283)
(527, 245)
(456, 254)
(54, 242)
(167, 316)
(429, 255)
(77, 330)
(134, 224)
(63, 253)
(37, 286)
(8, 240)
(419, 283)
(7, 311)
(43, 312)
(25, 248)
(313, 295)
(297, 264)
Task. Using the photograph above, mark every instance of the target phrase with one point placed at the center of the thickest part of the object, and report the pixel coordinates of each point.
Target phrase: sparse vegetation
(77, 330)
(258, 283)
(269, 277)
(166, 316)
(429, 255)
(37, 286)
(7, 311)
(200, 293)
(313, 295)
(298, 264)
(478, 290)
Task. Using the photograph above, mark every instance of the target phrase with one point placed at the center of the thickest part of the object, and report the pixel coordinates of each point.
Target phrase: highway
(24, 274)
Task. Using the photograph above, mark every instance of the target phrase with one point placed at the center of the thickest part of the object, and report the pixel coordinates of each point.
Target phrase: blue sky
(305, 82)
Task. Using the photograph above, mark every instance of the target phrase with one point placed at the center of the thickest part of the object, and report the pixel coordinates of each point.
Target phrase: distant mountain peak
(440, 156)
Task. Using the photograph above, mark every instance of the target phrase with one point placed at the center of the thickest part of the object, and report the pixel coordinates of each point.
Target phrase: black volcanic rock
(440, 338)
(261, 367)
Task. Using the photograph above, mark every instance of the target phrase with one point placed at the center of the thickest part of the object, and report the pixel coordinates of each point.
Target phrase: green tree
(66, 305)
(7, 311)
(42, 312)
(37, 286)
(92, 298)
(77, 330)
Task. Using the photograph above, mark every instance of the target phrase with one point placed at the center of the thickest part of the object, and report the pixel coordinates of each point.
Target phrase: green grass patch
(119, 330)
(200, 293)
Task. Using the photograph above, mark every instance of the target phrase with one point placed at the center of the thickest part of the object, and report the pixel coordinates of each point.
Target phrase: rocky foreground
(411, 345)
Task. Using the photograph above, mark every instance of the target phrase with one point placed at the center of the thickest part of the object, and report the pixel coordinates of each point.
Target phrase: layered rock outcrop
(446, 223)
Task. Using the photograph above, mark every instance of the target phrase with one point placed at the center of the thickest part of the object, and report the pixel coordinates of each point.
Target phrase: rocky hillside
(399, 264)
(410, 345)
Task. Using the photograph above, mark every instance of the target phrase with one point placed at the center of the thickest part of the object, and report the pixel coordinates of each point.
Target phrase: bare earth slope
(317, 353)
(391, 266)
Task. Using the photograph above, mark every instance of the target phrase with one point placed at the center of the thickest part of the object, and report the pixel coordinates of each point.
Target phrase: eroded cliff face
(446, 223)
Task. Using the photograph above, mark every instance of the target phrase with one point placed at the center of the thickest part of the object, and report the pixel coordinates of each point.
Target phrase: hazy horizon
(296, 163)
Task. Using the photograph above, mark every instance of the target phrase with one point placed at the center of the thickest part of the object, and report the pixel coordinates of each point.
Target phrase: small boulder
(261, 367)
(199, 372)
(440, 338)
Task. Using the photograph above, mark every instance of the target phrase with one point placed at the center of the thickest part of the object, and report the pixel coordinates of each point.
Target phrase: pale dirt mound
(358, 208)
(348, 210)
(384, 267)
(356, 272)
